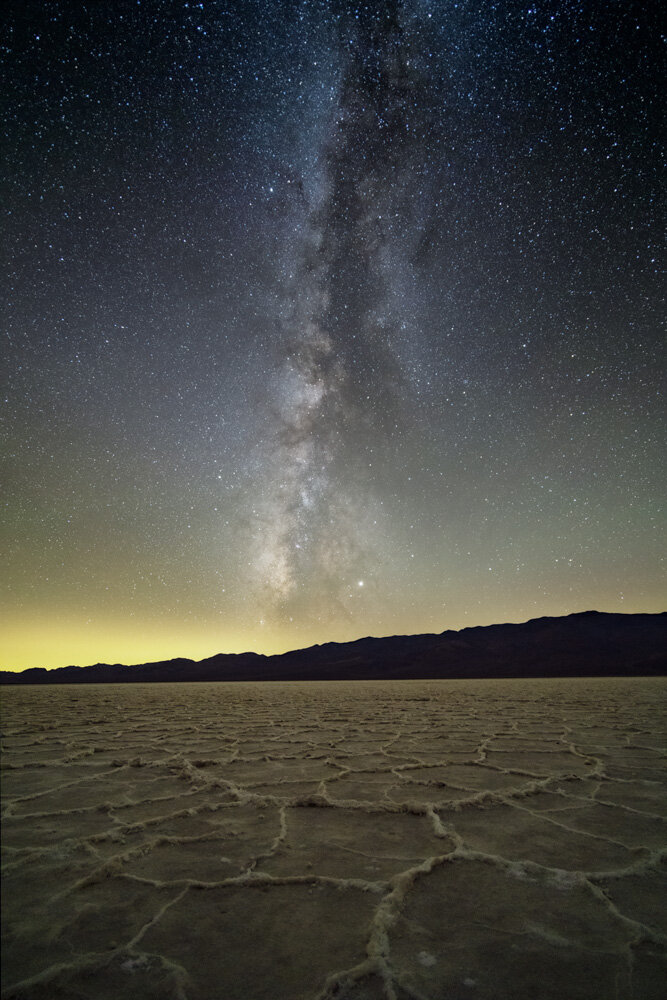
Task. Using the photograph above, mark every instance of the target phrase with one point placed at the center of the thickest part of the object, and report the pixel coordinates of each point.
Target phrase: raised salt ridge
(424, 839)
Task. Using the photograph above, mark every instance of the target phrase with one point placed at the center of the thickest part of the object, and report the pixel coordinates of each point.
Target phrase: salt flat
(409, 839)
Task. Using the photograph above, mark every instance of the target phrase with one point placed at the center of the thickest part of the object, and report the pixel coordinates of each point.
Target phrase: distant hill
(589, 644)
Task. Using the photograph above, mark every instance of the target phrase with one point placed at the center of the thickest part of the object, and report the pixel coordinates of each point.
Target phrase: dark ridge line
(584, 644)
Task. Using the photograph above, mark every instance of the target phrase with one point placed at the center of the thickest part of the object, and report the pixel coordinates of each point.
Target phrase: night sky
(327, 319)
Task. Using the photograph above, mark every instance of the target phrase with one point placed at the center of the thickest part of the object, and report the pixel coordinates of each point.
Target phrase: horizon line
(346, 642)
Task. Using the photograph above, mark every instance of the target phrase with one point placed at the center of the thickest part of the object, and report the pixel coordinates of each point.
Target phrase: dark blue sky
(327, 319)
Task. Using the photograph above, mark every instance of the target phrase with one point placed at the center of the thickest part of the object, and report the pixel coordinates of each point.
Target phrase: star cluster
(327, 319)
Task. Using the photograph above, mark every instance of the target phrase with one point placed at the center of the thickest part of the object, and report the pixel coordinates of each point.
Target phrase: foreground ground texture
(357, 841)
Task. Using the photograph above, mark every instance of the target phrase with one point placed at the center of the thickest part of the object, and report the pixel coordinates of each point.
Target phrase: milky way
(328, 319)
(339, 384)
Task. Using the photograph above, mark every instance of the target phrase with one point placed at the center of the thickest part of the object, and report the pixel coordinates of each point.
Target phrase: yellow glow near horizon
(38, 639)
(35, 640)
(39, 643)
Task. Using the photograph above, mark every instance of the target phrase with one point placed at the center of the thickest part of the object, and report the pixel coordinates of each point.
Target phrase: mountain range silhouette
(586, 644)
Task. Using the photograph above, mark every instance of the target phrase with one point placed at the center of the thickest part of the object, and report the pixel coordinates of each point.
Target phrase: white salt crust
(423, 840)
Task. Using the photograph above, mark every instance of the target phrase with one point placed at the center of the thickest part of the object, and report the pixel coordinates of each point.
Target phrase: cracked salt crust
(366, 841)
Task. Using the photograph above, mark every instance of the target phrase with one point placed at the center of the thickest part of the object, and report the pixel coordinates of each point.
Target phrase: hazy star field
(327, 319)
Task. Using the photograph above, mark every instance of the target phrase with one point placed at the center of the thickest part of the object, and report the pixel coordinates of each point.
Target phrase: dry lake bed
(449, 840)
